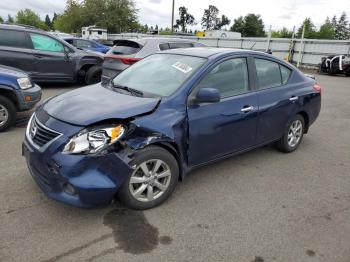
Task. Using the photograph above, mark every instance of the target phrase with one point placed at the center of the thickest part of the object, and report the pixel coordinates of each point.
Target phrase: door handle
(293, 98)
(38, 56)
(247, 109)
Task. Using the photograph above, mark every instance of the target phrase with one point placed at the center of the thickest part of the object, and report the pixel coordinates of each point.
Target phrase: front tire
(155, 176)
(293, 135)
(7, 113)
(93, 75)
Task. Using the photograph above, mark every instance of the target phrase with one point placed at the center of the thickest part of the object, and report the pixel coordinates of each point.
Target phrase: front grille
(39, 134)
(40, 178)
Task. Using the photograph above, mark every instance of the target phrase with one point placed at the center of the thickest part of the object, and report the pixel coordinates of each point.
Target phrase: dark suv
(45, 57)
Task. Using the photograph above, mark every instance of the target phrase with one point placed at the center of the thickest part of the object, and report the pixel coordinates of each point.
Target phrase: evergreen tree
(48, 22)
(326, 30)
(10, 19)
(342, 29)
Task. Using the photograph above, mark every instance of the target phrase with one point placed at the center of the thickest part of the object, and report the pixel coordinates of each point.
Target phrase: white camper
(94, 33)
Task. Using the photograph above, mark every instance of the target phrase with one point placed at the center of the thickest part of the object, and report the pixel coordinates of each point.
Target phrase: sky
(275, 13)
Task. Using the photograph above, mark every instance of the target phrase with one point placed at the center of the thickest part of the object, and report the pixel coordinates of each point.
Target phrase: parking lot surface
(259, 206)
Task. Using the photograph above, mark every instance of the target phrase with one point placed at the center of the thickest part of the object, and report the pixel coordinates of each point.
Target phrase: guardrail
(307, 52)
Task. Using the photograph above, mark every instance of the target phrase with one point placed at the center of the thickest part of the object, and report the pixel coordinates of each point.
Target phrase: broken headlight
(93, 141)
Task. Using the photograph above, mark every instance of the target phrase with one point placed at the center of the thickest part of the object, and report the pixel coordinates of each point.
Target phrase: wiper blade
(128, 89)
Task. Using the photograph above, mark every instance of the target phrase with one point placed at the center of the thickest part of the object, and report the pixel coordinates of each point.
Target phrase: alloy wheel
(295, 133)
(150, 180)
(4, 115)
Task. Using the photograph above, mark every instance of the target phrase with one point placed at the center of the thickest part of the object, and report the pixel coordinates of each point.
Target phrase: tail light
(317, 88)
(124, 60)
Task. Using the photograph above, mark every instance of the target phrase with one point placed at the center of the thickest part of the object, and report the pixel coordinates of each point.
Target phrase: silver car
(124, 53)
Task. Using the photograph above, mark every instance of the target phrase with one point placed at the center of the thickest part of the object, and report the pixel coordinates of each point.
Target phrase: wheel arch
(306, 120)
(9, 94)
(172, 148)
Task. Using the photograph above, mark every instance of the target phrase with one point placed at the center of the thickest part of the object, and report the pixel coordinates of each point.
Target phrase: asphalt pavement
(256, 207)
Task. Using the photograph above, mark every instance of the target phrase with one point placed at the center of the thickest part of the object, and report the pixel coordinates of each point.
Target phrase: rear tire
(293, 135)
(93, 75)
(7, 113)
(154, 179)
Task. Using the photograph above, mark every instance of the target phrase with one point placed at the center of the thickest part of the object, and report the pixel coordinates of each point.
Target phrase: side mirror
(66, 53)
(207, 95)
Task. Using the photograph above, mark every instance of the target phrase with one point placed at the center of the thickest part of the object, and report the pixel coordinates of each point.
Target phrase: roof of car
(206, 52)
(19, 27)
(157, 40)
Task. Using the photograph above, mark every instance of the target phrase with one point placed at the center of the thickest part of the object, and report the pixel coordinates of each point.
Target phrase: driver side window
(229, 77)
(45, 43)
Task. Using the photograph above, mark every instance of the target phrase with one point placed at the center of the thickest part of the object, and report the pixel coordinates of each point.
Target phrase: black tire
(283, 144)
(11, 113)
(150, 153)
(347, 71)
(93, 75)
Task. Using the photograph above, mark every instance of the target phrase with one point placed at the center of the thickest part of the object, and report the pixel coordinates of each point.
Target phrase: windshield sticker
(182, 67)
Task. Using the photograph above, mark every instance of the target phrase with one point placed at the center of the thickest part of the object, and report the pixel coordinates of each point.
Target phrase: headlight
(24, 83)
(93, 141)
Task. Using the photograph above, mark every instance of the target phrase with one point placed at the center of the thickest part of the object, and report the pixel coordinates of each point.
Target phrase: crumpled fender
(167, 127)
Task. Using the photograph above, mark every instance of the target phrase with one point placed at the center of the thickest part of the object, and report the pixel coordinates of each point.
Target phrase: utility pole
(172, 17)
(301, 47)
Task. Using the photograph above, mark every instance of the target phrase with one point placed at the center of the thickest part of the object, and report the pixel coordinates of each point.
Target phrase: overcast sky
(277, 13)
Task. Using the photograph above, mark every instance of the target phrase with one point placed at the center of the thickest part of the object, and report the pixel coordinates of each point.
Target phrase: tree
(48, 22)
(283, 33)
(238, 25)
(28, 17)
(310, 31)
(54, 18)
(72, 18)
(10, 19)
(185, 19)
(210, 17)
(221, 22)
(1, 20)
(249, 26)
(342, 30)
(326, 31)
(115, 15)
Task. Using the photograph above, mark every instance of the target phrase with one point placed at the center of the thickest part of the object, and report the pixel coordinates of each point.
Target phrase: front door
(51, 62)
(218, 129)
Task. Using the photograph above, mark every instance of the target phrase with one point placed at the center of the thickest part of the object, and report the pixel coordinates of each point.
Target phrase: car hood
(87, 105)
(13, 72)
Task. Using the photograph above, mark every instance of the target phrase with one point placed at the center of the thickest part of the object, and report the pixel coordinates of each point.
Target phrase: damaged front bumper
(78, 180)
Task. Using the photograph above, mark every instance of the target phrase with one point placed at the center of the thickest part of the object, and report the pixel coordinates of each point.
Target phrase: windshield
(159, 74)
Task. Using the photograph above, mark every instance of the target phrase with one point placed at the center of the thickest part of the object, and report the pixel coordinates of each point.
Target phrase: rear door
(51, 63)
(277, 98)
(15, 50)
(218, 129)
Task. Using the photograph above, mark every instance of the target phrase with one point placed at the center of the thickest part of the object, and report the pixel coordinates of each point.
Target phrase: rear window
(180, 45)
(163, 47)
(13, 39)
(125, 47)
(285, 73)
(268, 73)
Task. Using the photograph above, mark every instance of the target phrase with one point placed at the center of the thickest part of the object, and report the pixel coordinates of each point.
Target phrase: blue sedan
(137, 136)
(86, 44)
